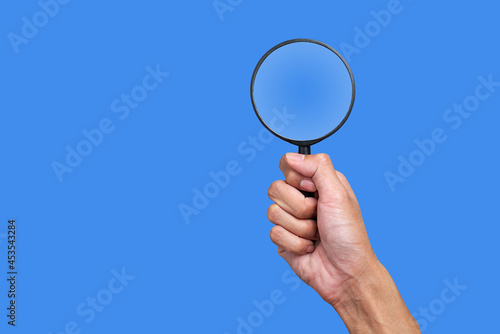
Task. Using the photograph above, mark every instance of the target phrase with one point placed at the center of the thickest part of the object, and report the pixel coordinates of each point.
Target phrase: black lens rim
(312, 141)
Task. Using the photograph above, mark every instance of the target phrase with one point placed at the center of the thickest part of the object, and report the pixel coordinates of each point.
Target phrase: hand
(341, 251)
(324, 240)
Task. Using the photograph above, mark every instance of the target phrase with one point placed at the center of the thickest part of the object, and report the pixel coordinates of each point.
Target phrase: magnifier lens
(302, 91)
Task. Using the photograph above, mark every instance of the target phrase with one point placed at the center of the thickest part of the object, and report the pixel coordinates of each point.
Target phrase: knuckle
(309, 229)
(338, 198)
(302, 246)
(281, 164)
(272, 192)
(324, 158)
(341, 175)
(275, 234)
(291, 177)
(306, 210)
(342, 195)
(300, 211)
(272, 212)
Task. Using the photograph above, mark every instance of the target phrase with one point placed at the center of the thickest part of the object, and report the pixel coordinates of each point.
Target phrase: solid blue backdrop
(118, 118)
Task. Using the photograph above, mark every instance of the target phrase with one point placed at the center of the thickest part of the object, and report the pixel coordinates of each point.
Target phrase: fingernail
(308, 185)
(295, 156)
(310, 249)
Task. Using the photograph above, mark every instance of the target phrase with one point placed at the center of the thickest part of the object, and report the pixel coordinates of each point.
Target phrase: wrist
(371, 303)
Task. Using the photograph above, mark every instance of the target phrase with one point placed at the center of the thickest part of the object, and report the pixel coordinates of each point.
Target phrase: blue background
(119, 208)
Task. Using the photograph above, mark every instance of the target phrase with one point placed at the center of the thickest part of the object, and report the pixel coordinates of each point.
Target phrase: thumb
(320, 169)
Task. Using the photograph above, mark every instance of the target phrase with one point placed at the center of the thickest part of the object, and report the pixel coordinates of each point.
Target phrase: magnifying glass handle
(306, 150)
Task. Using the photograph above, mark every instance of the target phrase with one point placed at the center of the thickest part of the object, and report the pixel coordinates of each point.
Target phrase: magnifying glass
(302, 91)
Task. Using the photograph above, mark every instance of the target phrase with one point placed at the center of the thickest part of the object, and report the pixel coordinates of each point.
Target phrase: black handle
(306, 150)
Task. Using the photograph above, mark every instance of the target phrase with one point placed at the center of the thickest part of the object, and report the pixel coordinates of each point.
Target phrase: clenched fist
(324, 240)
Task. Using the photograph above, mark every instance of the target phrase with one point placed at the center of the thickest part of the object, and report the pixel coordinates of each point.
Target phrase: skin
(324, 240)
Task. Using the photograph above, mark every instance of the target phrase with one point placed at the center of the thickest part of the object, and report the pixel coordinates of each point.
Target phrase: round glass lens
(303, 91)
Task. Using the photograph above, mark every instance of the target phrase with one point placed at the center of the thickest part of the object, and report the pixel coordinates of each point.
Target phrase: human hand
(332, 219)
(324, 240)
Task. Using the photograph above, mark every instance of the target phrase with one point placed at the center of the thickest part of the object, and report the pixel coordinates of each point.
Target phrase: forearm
(372, 304)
